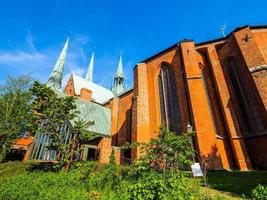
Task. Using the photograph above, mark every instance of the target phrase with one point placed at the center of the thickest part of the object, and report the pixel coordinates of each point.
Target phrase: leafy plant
(259, 193)
(15, 120)
(51, 113)
(160, 186)
(168, 151)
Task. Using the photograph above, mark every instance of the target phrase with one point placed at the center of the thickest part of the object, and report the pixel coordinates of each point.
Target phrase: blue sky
(32, 32)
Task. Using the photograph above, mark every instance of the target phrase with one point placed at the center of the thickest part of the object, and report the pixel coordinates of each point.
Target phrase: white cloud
(29, 42)
(81, 39)
(20, 56)
(40, 62)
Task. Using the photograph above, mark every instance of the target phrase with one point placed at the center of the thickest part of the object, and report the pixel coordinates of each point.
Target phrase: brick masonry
(218, 92)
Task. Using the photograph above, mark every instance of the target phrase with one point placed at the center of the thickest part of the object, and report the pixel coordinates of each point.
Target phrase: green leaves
(259, 193)
(52, 113)
(165, 152)
(164, 186)
(15, 118)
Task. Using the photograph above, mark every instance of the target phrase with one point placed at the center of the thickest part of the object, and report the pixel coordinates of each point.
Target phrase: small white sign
(196, 170)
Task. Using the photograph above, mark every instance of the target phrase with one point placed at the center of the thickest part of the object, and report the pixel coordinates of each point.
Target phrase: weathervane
(222, 29)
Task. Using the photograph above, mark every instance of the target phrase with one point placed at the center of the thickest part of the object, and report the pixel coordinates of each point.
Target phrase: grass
(33, 181)
(236, 182)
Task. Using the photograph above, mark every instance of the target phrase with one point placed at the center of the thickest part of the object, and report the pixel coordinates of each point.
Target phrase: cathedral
(219, 87)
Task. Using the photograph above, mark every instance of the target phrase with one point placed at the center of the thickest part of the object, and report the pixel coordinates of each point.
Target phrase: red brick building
(218, 86)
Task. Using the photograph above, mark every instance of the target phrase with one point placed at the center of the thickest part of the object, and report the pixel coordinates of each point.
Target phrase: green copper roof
(89, 75)
(93, 112)
(118, 83)
(120, 69)
(89, 111)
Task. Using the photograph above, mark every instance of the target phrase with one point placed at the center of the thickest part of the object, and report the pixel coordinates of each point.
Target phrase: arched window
(243, 93)
(169, 109)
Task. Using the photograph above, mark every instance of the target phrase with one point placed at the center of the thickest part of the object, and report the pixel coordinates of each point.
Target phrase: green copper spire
(55, 79)
(118, 82)
(120, 70)
(89, 75)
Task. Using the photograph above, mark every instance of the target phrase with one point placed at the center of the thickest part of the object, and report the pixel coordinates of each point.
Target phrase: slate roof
(99, 93)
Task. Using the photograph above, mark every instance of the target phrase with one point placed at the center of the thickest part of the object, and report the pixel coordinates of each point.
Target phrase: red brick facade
(220, 88)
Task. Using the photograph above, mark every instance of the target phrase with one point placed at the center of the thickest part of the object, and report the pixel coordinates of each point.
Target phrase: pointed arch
(169, 108)
(242, 90)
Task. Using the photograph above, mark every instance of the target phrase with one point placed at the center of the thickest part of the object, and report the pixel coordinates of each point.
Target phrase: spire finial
(89, 75)
(120, 69)
(55, 79)
(118, 83)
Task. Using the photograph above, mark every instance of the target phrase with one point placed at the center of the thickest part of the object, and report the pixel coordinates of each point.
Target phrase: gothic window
(168, 99)
(247, 106)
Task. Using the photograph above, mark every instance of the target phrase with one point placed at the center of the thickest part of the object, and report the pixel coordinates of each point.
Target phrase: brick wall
(124, 118)
(257, 148)
(171, 58)
(69, 88)
(203, 124)
(105, 150)
(260, 79)
(86, 94)
(140, 110)
(260, 37)
(205, 98)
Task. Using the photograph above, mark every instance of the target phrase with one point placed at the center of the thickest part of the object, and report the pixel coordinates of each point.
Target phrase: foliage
(80, 136)
(168, 185)
(43, 185)
(15, 120)
(259, 193)
(156, 175)
(107, 180)
(168, 151)
(51, 113)
(97, 176)
(87, 180)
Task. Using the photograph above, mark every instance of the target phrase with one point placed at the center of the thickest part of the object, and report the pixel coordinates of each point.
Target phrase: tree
(15, 120)
(51, 113)
(168, 151)
(80, 136)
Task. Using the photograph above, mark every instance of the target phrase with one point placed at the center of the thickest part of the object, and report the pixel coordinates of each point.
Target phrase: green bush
(162, 186)
(259, 193)
(107, 180)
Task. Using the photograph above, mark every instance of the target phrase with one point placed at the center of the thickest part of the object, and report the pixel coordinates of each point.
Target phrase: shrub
(259, 193)
(162, 186)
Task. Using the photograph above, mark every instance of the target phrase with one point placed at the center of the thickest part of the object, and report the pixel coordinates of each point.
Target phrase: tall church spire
(120, 70)
(118, 82)
(55, 79)
(89, 75)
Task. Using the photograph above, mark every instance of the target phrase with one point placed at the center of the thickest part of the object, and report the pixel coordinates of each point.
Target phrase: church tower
(119, 80)
(55, 79)
(89, 75)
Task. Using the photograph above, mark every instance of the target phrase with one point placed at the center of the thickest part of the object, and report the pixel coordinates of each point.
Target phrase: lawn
(34, 181)
(237, 182)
